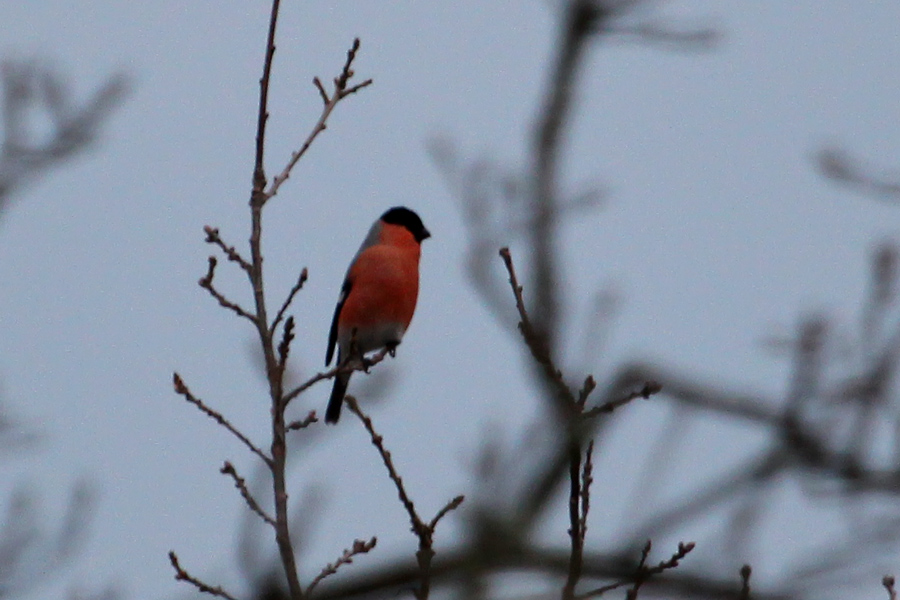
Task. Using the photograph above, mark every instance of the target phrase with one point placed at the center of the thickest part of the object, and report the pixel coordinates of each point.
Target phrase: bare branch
(259, 170)
(274, 364)
(182, 390)
(705, 38)
(212, 237)
(340, 83)
(206, 282)
(341, 91)
(378, 442)
(650, 388)
(586, 389)
(888, 583)
(284, 347)
(425, 532)
(643, 573)
(576, 534)
(304, 275)
(563, 396)
(321, 88)
(359, 547)
(450, 506)
(586, 480)
(304, 423)
(241, 485)
(745, 583)
(182, 575)
(597, 592)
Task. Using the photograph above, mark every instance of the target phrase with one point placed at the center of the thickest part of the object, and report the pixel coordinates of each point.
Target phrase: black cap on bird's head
(400, 215)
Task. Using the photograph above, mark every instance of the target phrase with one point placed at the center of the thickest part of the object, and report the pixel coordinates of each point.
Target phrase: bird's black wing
(332, 335)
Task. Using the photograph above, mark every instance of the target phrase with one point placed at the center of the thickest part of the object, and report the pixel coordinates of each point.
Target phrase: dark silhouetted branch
(29, 86)
(359, 547)
(745, 582)
(304, 275)
(644, 573)
(836, 164)
(182, 575)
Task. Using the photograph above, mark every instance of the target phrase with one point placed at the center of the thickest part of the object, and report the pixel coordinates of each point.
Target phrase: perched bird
(379, 295)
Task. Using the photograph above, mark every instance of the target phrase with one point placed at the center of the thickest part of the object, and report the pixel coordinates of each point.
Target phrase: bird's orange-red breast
(379, 294)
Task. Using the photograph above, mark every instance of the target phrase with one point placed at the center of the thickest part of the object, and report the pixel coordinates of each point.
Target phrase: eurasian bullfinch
(379, 294)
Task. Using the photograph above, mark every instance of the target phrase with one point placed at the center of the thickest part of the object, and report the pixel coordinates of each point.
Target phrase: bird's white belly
(373, 338)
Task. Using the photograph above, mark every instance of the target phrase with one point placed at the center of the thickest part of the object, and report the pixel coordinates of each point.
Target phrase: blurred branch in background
(30, 554)
(43, 125)
(822, 440)
(825, 436)
(837, 164)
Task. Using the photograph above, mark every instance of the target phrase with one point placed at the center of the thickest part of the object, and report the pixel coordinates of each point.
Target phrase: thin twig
(378, 442)
(836, 164)
(303, 423)
(340, 82)
(322, 93)
(206, 282)
(425, 532)
(686, 39)
(359, 547)
(182, 575)
(888, 583)
(284, 347)
(241, 484)
(643, 573)
(586, 480)
(536, 344)
(570, 409)
(450, 506)
(650, 388)
(586, 389)
(341, 91)
(576, 555)
(182, 390)
(287, 301)
(602, 590)
(745, 583)
(259, 171)
(212, 237)
(641, 568)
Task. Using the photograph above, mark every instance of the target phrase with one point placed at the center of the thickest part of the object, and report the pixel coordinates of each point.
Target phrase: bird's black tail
(333, 411)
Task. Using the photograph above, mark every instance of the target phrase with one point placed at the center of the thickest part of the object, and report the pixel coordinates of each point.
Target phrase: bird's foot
(392, 348)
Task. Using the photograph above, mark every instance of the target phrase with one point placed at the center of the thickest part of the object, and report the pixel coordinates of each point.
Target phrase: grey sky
(716, 232)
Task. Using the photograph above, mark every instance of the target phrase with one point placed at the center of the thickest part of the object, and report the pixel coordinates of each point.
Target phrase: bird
(378, 296)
